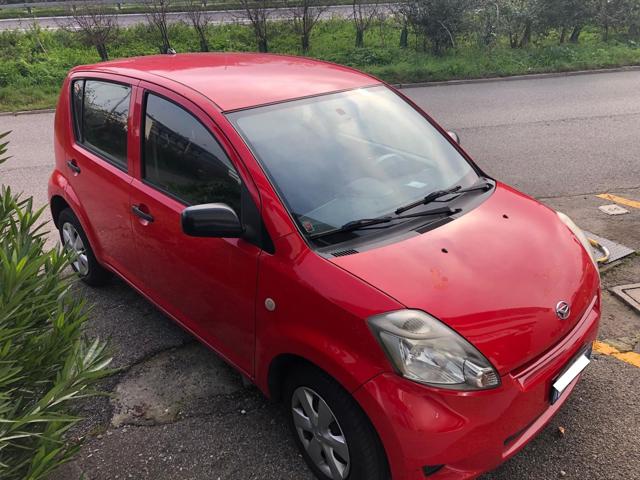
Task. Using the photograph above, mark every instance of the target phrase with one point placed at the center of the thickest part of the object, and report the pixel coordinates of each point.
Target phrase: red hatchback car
(328, 239)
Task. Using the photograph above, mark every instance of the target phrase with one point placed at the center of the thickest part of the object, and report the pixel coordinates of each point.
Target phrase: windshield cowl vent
(344, 253)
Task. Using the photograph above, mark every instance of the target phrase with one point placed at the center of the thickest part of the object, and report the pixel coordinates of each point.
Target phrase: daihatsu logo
(563, 310)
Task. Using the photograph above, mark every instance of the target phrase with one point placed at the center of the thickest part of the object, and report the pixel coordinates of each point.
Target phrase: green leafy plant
(45, 361)
(3, 147)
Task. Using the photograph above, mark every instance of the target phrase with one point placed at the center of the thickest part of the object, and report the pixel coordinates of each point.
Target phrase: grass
(33, 64)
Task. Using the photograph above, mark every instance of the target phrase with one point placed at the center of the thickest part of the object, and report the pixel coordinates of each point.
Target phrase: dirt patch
(164, 387)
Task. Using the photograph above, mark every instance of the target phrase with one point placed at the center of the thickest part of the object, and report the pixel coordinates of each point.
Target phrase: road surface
(559, 139)
(548, 137)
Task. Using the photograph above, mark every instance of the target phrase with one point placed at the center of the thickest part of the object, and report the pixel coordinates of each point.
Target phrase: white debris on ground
(613, 209)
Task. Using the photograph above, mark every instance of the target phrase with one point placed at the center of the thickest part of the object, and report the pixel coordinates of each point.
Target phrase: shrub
(45, 362)
(439, 21)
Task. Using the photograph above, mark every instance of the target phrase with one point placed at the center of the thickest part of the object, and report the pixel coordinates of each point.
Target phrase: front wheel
(334, 435)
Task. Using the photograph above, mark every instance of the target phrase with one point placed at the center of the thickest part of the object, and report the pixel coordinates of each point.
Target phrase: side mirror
(211, 220)
(455, 136)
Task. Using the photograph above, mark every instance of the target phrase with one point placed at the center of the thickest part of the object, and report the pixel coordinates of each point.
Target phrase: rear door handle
(143, 215)
(73, 166)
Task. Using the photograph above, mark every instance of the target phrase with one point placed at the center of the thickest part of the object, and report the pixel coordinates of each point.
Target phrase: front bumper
(469, 432)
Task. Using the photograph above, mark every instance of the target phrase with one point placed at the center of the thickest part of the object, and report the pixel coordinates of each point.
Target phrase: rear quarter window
(101, 113)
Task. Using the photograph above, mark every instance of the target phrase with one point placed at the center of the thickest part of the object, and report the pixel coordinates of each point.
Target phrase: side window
(181, 157)
(101, 112)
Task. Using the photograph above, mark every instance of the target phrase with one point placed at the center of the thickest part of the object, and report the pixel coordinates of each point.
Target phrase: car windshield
(346, 156)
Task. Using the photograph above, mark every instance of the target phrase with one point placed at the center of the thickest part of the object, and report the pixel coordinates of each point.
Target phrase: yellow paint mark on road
(631, 358)
(604, 348)
(620, 200)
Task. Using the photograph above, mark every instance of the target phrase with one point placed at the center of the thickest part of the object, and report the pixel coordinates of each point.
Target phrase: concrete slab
(613, 209)
(172, 384)
(630, 294)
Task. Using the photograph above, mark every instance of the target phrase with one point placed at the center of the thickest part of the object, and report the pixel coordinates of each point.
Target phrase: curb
(27, 112)
(513, 78)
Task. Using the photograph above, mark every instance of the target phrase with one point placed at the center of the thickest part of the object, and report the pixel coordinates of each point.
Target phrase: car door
(208, 284)
(99, 165)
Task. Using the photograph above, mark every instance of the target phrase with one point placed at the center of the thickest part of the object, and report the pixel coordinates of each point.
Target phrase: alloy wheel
(75, 246)
(320, 433)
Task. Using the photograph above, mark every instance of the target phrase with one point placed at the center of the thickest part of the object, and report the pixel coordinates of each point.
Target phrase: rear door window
(181, 157)
(101, 113)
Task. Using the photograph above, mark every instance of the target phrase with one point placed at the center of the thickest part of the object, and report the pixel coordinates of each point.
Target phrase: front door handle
(143, 215)
(73, 166)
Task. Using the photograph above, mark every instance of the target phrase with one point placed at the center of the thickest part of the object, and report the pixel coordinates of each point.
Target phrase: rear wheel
(334, 435)
(75, 242)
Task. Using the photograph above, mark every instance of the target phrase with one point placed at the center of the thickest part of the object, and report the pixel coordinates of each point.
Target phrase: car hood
(495, 275)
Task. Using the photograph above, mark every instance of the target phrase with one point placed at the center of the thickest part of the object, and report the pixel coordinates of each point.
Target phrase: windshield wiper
(433, 196)
(370, 222)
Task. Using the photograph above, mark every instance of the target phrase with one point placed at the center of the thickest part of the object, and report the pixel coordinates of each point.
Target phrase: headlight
(425, 350)
(577, 231)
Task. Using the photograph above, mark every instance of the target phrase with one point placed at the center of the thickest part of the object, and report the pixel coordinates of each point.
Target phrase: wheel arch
(283, 363)
(57, 204)
(62, 196)
(277, 373)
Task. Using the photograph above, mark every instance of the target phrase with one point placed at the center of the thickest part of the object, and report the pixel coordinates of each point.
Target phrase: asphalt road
(548, 137)
(180, 414)
(215, 17)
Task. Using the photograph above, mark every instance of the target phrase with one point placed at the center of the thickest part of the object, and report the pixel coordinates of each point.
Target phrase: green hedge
(33, 65)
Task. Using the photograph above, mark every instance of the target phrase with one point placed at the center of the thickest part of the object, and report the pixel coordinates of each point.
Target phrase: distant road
(216, 17)
(61, 3)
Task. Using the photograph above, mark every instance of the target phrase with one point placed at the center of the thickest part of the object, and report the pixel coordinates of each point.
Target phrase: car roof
(240, 80)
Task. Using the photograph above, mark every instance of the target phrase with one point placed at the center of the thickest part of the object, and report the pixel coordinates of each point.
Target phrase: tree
(95, 25)
(257, 12)
(617, 15)
(364, 11)
(195, 11)
(633, 18)
(439, 21)
(305, 14)
(607, 15)
(567, 16)
(488, 20)
(518, 19)
(156, 13)
(401, 12)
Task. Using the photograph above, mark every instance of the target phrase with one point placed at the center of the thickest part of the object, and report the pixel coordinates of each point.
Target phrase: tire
(85, 264)
(362, 459)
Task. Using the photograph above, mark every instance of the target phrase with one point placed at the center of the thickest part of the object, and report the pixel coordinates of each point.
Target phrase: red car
(328, 239)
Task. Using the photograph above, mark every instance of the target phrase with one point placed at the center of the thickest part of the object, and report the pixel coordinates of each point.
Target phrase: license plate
(569, 374)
